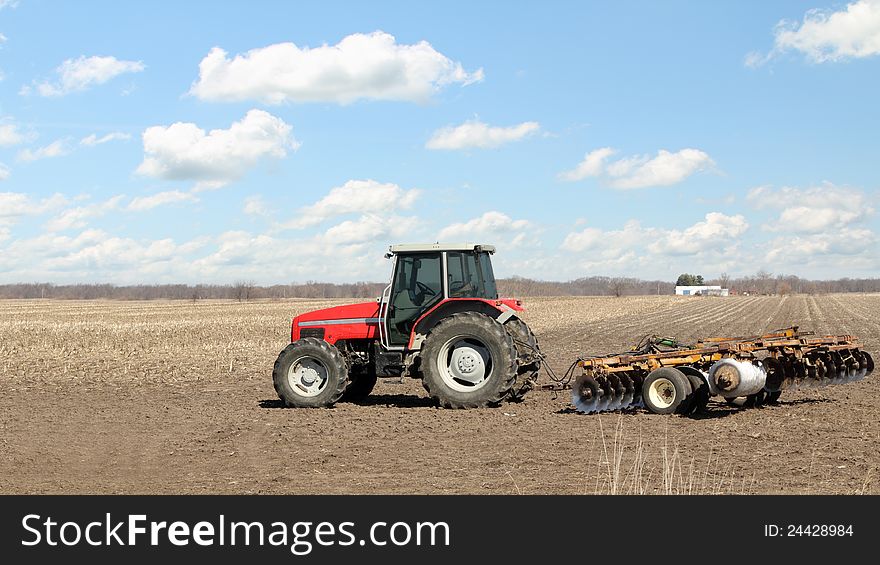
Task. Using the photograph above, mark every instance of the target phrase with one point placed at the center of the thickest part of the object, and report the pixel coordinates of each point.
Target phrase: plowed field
(176, 397)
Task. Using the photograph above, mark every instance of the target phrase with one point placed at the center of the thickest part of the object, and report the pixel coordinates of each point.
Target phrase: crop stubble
(176, 397)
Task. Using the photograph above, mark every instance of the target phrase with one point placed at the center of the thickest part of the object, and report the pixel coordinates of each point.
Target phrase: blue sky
(282, 141)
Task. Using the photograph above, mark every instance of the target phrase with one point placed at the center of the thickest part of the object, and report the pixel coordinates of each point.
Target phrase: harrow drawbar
(665, 376)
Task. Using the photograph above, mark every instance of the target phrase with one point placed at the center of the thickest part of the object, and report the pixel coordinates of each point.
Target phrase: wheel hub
(307, 376)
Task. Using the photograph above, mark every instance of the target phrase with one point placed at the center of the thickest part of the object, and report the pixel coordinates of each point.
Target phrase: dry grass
(628, 465)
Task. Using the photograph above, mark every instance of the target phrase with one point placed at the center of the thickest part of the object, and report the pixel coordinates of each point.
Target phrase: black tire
(699, 398)
(773, 397)
(314, 350)
(775, 374)
(528, 359)
(756, 400)
(464, 330)
(660, 397)
(360, 383)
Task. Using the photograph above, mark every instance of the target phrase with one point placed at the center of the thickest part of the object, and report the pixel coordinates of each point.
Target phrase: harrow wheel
(755, 400)
(666, 390)
(700, 396)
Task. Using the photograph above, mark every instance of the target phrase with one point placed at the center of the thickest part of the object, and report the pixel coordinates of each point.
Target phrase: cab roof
(427, 247)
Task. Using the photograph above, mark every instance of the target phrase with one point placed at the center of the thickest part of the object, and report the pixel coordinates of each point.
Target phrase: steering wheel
(426, 290)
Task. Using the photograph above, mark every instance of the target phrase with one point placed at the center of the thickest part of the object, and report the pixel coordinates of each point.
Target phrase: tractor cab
(425, 275)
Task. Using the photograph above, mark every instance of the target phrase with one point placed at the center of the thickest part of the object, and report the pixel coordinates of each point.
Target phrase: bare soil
(176, 397)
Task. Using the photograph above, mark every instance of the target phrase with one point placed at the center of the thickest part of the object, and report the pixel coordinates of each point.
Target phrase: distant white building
(701, 291)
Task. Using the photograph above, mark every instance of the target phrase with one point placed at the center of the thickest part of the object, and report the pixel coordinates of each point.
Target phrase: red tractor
(439, 320)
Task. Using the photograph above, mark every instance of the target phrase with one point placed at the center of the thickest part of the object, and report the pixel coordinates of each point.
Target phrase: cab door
(416, 287)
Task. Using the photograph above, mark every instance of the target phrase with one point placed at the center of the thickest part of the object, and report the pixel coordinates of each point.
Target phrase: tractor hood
(355, 313)
(346, 311)
(350, 321)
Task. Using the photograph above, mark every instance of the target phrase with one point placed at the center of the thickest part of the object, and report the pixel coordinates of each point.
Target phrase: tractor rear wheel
(666, 390)
(528, 360)
(310, 373)
(468, 361)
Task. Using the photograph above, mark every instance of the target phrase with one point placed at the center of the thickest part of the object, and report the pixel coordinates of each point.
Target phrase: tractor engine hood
(361, 313)
(349, 321)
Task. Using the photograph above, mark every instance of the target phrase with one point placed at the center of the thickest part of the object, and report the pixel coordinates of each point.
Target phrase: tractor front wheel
(310, 373)
(468, 361)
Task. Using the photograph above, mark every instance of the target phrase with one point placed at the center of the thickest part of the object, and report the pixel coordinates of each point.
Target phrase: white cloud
(75, 218)
(608, 243)
(76, 75)
(828, 36)
(812, 210)
(717, 231)
(360, 66)
(592, 166)
(475, 133)
(256, 206)
(57, 148)
(8, 4)
(93, 139)
(4, 172)
(816, 249)
(492, 224)
(10, 135)
(641, 171)
(356, 196)
(14, 205)
(183, 151)
(371, 227)
(142, 203)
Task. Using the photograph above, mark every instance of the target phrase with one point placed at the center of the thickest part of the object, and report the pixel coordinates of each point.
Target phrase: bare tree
(243, 290)
(764, 279)
(618, 285)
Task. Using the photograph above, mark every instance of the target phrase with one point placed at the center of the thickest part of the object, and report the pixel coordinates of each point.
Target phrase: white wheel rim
(661, 392)
(465, 364)
(307, 376)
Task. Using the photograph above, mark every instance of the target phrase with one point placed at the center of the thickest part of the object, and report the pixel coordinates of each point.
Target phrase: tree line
(761, 283)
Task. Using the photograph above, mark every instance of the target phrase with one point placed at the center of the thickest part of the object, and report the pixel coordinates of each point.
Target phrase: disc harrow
(756, 368)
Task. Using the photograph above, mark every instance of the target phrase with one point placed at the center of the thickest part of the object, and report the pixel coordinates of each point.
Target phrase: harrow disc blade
(800, 372)
(607, 397)
(830, 369)
(585, 394)
(863, 364)
(821, 371)
(788, 370)
(870, 362)
(637, 381)
(840, 369)
(618, 391)
(629, 389)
